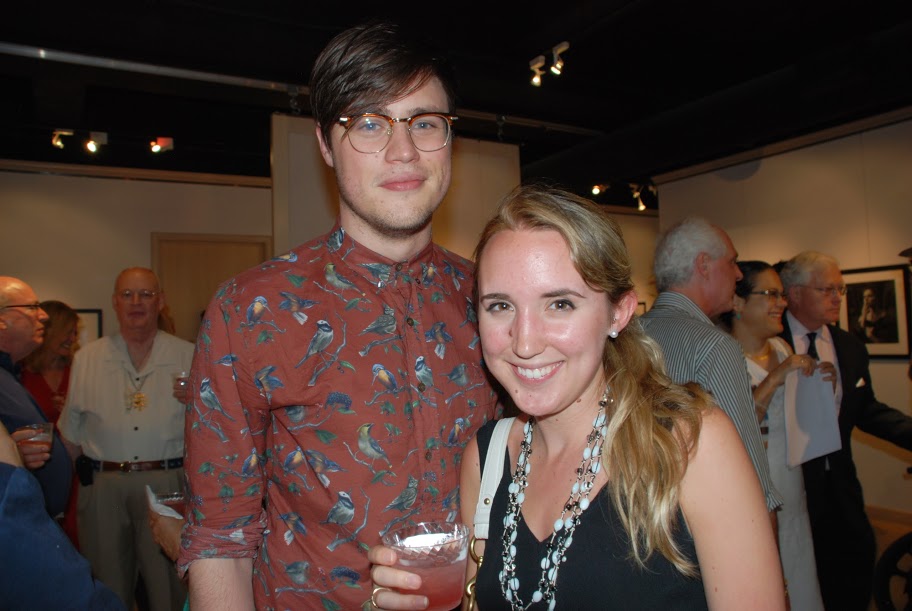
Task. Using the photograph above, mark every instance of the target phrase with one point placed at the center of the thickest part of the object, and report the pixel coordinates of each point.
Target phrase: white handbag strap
(493, 471)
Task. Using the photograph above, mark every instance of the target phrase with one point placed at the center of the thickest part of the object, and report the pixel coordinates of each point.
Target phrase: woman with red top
(46, 375)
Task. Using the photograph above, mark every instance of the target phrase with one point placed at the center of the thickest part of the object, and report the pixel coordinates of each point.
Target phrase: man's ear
(701, 264)
(792, 295)
(325, 150)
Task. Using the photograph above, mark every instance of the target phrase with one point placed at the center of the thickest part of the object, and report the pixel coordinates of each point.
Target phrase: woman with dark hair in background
(755, 322)
(46, 375)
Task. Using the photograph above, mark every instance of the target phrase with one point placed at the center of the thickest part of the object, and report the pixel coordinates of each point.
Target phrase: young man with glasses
(336, 386)
(844, 543)
(21, 332)
(126, 415)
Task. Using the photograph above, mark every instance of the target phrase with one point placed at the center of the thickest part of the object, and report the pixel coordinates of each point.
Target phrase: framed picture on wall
(875, 309)
(89, 325)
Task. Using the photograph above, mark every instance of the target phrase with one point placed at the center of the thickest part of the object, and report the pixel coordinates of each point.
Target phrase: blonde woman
(639, 492)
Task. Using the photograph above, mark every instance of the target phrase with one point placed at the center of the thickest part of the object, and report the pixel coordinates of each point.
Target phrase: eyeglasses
(144, 294)
(772, 294)
(829, 291)
(371, 132)
(34, 307)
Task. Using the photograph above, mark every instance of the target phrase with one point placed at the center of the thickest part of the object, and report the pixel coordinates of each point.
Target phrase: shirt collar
(373, 267)
(799, 330)
(682, 302)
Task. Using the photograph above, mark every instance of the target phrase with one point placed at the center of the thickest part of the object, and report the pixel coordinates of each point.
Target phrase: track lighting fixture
(56, 140)
(161, 144)
(637, 192)
(557, 65)
(95, 141)
(536, 66)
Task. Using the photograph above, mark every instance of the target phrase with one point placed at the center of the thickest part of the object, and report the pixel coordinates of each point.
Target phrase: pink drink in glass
(437, 552)
(175, 500)
(442, 584)
(179, 506)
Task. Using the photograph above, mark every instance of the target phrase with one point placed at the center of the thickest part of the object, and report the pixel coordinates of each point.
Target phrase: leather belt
(142, 465)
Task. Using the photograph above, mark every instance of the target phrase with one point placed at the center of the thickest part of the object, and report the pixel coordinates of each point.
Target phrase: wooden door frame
(158, 237)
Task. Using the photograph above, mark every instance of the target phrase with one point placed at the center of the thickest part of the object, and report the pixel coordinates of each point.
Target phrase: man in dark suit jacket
(844, 543)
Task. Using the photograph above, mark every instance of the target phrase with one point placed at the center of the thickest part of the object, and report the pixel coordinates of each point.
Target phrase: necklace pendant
(138, 401)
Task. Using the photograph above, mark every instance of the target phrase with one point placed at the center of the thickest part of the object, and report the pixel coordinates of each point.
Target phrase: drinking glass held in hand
(34, 442)
(437, 553)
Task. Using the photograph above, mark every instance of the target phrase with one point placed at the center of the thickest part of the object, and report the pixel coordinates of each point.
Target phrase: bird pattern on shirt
(351, 401)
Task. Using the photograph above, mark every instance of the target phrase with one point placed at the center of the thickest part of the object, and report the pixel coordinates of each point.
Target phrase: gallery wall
(69, 236)
(850, 197)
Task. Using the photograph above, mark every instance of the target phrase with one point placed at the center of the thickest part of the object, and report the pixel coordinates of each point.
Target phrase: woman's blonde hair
(655, 423)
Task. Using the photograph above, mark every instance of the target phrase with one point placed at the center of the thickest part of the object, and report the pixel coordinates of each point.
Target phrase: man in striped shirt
(696, 271)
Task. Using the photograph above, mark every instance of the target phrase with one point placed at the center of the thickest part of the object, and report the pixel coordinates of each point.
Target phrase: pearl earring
(613, 333)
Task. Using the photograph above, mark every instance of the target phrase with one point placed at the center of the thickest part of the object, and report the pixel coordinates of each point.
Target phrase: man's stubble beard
(385, 226)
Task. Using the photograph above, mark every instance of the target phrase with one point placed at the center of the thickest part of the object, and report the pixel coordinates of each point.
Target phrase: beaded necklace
(564, 526)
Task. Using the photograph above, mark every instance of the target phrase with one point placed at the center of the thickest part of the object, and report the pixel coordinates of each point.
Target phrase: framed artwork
(89, 325)
(876, 310)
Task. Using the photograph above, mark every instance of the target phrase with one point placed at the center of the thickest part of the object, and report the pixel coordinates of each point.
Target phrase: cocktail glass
(436, 551)
(175, 500)
(180, 378)
(44, 436)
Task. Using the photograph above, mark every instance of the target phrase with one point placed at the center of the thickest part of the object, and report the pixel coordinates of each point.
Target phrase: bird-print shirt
(334, 393)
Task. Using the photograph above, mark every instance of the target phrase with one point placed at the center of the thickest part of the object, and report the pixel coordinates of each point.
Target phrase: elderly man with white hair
(21, 332)
(126, 413)
(696, 270)
(844, 543)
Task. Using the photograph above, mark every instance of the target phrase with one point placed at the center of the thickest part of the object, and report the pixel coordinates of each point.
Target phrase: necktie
(812, 346)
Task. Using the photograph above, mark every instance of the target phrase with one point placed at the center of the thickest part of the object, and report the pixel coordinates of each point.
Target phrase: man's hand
(828, 372)
(166, 531)
(181, 390)
(9, 451)
(388, 580)
(34, 456)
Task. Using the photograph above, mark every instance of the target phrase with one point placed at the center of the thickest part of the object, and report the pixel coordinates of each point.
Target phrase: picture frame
(641, 308)
(90, 327)
(876, 309)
